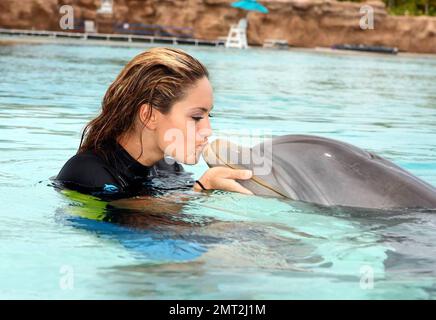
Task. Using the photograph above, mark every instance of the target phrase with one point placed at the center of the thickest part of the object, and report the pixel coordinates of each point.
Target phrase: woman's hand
(223, 178)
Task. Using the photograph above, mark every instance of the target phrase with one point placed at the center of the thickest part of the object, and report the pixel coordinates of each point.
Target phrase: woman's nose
(205, 130)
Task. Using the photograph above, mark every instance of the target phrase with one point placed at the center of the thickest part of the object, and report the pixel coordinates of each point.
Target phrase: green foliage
(408, 7)
(411, 7)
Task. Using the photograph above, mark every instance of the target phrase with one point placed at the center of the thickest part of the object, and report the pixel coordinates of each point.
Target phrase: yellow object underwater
(88, 206)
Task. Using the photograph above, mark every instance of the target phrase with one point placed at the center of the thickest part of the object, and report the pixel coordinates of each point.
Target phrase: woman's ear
(148, 120)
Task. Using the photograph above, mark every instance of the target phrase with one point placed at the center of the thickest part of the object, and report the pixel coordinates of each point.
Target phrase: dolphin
(322, 171)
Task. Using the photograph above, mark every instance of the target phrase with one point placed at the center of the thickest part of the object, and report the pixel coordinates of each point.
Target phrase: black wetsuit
(121, 176)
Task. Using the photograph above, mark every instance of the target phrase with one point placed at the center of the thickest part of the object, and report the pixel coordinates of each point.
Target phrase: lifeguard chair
(237, 37)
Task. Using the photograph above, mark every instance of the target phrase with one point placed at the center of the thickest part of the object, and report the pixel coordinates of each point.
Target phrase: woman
(159, 105)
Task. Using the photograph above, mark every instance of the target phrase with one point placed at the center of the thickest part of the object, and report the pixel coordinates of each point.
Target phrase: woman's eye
(201, 117)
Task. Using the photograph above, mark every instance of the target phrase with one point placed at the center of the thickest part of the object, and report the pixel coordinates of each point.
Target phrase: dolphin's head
(227, 154)
(322, 171)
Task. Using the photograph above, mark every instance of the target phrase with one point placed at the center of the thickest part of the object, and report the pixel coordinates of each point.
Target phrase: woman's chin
(188, 159)
(192, 159)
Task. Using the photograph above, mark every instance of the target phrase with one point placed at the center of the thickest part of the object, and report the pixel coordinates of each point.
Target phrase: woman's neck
(150, 152)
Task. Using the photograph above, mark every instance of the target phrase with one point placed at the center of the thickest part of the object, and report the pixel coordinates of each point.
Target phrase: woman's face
(182, 133)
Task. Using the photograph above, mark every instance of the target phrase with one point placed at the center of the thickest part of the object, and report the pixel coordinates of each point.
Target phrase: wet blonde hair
(158, 77)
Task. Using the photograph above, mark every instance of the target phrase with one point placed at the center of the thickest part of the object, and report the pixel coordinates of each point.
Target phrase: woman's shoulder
(86, 171)
(84, 161)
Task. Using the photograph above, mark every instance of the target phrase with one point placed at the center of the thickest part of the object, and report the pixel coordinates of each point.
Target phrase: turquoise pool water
(221, 246)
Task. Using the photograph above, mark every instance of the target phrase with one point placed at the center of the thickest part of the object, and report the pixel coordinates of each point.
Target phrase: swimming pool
(223, 245)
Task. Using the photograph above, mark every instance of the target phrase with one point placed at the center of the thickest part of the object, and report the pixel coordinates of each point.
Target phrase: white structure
(275, 43)
(90, 26)
(237, 37)
(106, 7)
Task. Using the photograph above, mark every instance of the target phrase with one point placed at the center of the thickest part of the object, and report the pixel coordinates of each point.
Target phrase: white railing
(110, 36)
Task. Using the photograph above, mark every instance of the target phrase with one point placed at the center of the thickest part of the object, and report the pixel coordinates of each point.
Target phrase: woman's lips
(201, 146)
(199, 149)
